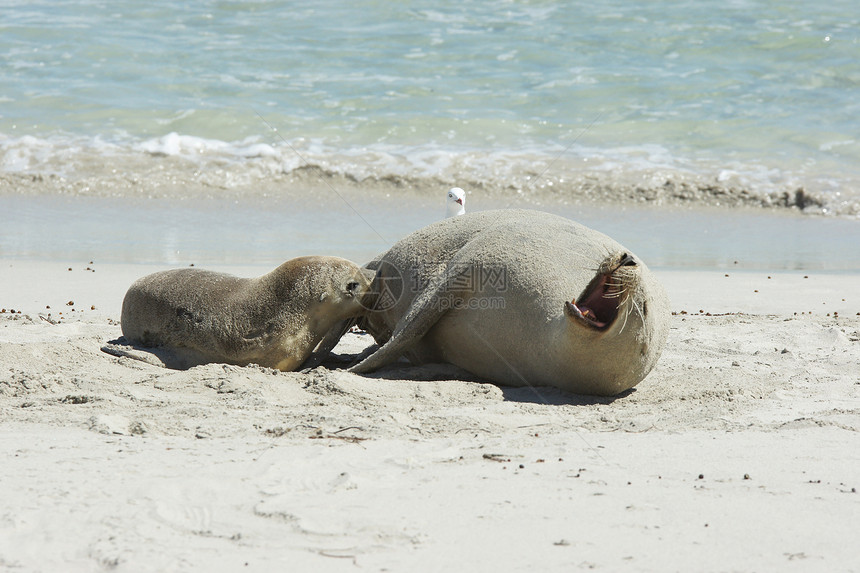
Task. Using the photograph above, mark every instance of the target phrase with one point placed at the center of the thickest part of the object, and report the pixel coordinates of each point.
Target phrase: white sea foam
(176, 164)
(190, 146)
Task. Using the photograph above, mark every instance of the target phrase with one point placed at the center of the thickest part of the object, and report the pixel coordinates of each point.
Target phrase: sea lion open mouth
(599, 302)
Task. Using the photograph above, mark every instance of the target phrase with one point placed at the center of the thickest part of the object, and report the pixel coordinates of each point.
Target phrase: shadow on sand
(547, 395)
(400, 370)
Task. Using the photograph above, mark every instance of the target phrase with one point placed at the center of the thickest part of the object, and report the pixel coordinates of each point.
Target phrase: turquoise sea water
(708, 102)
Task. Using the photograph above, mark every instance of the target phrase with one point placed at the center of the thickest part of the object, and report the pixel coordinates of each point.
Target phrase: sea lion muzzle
(599, 302)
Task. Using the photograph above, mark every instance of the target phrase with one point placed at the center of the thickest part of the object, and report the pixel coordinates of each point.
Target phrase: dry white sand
(740, 452)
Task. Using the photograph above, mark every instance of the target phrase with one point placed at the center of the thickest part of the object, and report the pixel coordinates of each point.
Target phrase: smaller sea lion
(191, 316)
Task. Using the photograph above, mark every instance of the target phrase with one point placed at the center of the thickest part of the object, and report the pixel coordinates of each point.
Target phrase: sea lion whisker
(623, 325)
(639, 310)
(622, 290)
(589, 258)
(626, 315)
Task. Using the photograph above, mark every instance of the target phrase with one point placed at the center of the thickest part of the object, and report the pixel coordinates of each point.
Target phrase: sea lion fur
(185, 317)
(519, 297)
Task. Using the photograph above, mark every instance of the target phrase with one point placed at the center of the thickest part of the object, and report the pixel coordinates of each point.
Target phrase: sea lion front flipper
(175, 359)
(425, 311)
(327, 344)
(123, 351)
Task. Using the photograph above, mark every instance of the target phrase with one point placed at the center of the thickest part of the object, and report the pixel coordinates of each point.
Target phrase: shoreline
(657, 187)
(357, 227)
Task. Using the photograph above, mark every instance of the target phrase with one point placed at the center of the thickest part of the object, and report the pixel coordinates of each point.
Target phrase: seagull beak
(460, 201)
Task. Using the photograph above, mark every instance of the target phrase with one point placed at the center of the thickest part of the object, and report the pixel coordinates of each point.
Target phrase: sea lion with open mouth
(520, 298)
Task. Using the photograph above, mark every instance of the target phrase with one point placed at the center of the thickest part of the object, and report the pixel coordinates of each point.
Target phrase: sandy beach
(739, 452)
(718, 141)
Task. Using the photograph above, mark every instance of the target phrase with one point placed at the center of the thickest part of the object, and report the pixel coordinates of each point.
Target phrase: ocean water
(549, 104)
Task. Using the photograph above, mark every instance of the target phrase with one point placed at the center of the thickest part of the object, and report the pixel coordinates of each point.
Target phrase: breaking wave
(177, 166)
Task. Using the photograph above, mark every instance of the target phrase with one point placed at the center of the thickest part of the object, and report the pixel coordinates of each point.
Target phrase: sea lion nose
(627, 260)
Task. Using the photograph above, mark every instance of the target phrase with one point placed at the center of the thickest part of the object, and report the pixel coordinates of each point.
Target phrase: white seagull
(456, 202)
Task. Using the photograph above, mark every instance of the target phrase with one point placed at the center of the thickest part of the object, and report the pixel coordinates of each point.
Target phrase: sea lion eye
(352, 286)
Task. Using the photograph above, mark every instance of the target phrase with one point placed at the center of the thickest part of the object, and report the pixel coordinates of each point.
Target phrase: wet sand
(358, 225)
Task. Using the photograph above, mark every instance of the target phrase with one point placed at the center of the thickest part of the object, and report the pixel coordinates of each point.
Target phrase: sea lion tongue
(598, 304)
